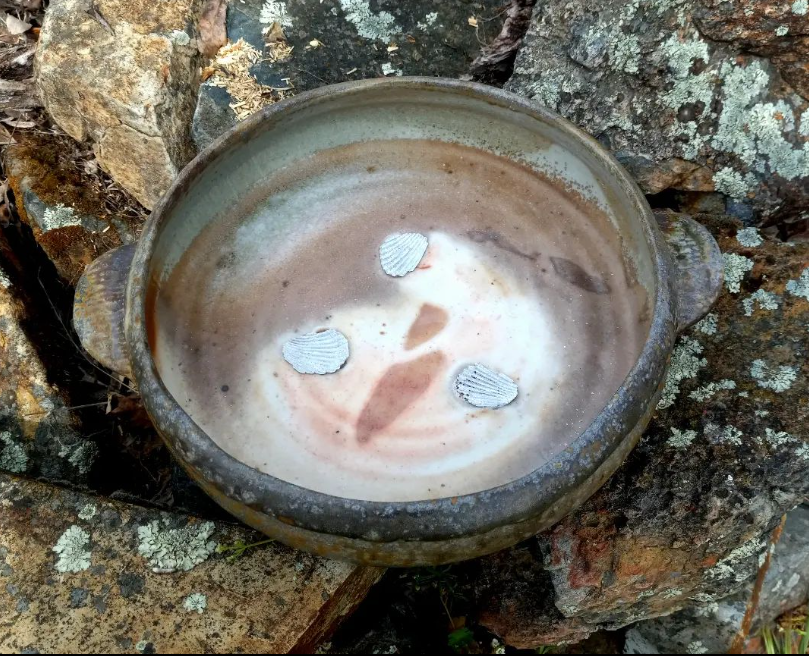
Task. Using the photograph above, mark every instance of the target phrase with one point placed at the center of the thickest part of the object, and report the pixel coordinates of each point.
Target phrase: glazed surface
(521, 275)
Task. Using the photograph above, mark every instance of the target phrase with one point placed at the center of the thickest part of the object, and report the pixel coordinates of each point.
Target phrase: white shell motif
(484, 388)
(317, 353)
(401, 253)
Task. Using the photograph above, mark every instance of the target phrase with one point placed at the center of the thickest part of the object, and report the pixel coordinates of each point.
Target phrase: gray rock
(714, 626)
(340, 40)
(688, 516)
(213, 115)
(696, 95)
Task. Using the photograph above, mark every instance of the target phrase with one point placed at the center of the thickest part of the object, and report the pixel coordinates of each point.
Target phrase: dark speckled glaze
(688, 275)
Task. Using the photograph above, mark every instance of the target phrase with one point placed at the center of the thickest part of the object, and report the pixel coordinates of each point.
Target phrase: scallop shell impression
(484, 388)
(317, 353)
(401, 253)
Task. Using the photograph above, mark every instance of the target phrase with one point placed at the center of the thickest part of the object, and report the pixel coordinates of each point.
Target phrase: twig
(744, 631)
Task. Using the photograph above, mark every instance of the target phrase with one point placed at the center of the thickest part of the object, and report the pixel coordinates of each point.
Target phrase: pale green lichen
(390, 69)
(13, 456)
(803, 452)
(428, 22)
(141, 646)
(5, 282)
(370, 25)
(744, 394)
(734, 184)
(180, 38)
(196, 603)
(803, 130)
(777, 438)
(777, 380)
(497, 647)
(766, 301)
(175, 549)
(88, 512)
(724, 434)
(59, 216)
(800, 287)
(81, 454)
(685, 363)
(782, 30)
(672, 593)
(696, 647)
(709, 391)
(73, 551)
(275, 12)
(736, 267)
(708, 325)
(761, 413)
(728, 567)
(749, 237)
(624, 52)
(800, 7)
(681, 439)
(548, 89)
(680, 55)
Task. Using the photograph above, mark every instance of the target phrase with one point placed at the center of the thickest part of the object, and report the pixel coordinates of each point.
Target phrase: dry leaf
(274, 33)
(314, 43)
(472, 21)
(212, 30)
(16, 26)
(393, 47)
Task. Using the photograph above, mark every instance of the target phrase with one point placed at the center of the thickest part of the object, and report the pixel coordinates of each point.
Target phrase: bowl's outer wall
(426, 532)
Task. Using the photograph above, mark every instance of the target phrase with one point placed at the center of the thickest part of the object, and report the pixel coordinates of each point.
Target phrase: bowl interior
(340, 171)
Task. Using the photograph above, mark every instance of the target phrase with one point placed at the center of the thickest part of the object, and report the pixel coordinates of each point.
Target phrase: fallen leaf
(274, 33)
(16, 26)
(393, 47)
(314, 43)
(472, 21)
(212, 29)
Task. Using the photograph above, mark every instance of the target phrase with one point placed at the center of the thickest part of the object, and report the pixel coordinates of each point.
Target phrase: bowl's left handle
(99, 308)
(697, 263)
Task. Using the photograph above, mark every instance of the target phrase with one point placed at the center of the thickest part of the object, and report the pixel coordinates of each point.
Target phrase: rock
(38, 434)
(123, 75)
(688, 516)
(69, 210)
(714, 627)
(213, 115)
(707, 95)
(79, 572)
(340, 40)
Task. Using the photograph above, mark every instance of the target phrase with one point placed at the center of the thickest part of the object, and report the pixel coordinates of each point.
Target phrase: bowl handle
(99, 308)
(697, 264)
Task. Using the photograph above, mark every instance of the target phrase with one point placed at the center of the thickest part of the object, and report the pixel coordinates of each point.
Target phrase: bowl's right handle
(99, 308)
(698, 267)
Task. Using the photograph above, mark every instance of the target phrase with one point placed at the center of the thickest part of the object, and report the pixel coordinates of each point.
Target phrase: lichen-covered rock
(713, 627)
(695, 95)
(73, 576)
(340, 40)
(123, 74)
(70, 212)
(688, 516)
(38, 435)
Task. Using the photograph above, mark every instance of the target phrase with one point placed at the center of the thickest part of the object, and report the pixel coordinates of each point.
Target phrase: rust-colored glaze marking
(431, 321)
(395, 392)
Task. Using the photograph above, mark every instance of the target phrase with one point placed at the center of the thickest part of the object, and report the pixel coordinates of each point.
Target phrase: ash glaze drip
(320, 352)
(485, 388)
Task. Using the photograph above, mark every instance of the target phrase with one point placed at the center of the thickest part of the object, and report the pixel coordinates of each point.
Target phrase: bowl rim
(383, 521)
